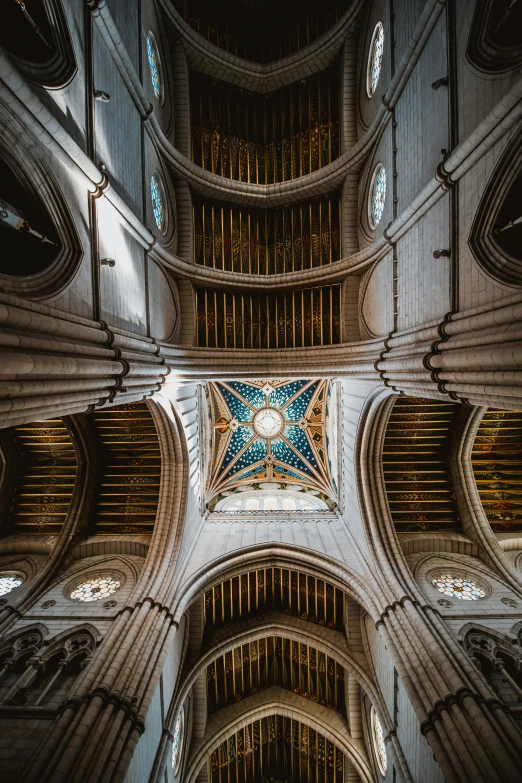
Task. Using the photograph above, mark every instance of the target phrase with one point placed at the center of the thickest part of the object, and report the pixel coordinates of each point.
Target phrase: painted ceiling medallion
(268, 423)
(273, 431)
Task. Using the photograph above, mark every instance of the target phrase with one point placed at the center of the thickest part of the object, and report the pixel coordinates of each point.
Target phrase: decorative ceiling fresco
(271, 434)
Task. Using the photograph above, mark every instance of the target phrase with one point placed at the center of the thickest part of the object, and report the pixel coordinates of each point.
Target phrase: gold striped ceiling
(45, 482)
(275, 660)
(415, 455)
(276, 750)
(497, 466)
(279, 589)
(130, 470)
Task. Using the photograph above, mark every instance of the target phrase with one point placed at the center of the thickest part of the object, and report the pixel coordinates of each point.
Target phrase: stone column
(472, 737)
(53, 363)
(473, 356)
(101, 722)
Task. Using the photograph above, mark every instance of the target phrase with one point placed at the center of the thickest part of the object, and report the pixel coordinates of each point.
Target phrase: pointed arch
(36, 36)
(495, 239)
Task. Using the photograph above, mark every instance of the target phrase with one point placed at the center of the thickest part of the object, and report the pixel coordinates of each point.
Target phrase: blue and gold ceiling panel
(268, 430)
(238, 410)
(297, 408)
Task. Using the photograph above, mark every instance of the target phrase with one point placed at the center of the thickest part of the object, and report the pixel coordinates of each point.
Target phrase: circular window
(268, 423)
(378, 743)
(177, 743)
(156, 194)
(154, 67)
(8, 582)
(458, 587)
(377, 196)
(375, 59)
(95, 589)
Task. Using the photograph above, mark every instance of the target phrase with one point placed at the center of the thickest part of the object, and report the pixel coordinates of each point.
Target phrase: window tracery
(177, 742)
(9, 582)
(155, 67)
(377, 196)
(375, 55)
(158, 208)
(95, 589)
(378, 743)
(458, 587)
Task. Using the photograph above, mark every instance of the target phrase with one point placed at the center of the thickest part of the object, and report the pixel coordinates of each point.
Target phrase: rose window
(377, 196)
(95, 589)
(375, 59)
(378, 743)
(177, 743)
(157, 202)
(154, 66)
(458, 587)
(8, 583)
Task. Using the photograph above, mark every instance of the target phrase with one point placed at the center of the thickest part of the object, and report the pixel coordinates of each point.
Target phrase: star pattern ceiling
(288, 444)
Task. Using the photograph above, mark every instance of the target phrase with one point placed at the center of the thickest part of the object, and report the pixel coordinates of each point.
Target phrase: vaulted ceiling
(269, 431)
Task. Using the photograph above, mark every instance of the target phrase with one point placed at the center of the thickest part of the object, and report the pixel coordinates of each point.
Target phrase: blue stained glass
(298, 438)
(283, 452)
(239, 439)
(238, 409)
(297, 409)
(154, 68)
(254, 453)
(378, 195)
(375, 59)
(157, 203)
(282, 394)
(252, 394)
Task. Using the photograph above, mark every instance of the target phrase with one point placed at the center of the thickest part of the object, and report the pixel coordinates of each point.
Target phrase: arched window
(36, 35)
(375, 59)
(377, 196)
(155, 69)
(379, 745)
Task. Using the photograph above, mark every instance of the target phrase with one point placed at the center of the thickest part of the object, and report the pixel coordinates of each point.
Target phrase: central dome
(268, 423)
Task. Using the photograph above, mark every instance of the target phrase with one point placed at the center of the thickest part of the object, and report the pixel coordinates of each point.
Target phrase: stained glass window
(458, 587)
(375, 59)
(177, 742)
(154, 66)
(8, 583)
(95, 589)
(378, 743)
(157, 202)
(377, 195)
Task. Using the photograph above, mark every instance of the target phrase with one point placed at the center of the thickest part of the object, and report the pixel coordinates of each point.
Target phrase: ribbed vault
(497, 467)
(418, 481)
(275, 660)
(47, 469)
(129, 470)
(277, 748)
(291, 592)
